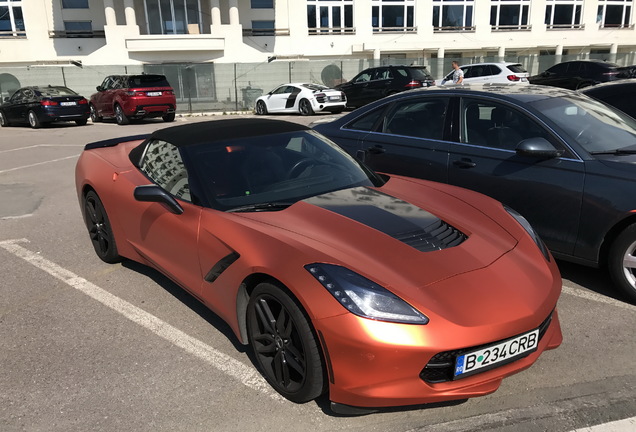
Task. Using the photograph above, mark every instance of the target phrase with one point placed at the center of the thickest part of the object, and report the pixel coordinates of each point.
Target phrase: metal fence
(222, 87)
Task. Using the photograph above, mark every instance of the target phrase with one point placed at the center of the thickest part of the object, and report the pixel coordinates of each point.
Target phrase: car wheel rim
(303, 107)
(97, 226)
(3, 121)
(32, 119)
(93, 113)
(629, 264)
(119, 114)
(277, 343)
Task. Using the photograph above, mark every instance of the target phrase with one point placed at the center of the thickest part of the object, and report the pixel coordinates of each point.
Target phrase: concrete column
(234, 13)
(216, 13)
(558, 54)
(613, 52)
(501, 53)
(109, 11)
(131, 17)
(439, 70)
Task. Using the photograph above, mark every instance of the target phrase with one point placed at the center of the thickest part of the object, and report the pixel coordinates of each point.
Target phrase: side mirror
(539, 148)
(99, 88)
(6, 99)
(153, 193)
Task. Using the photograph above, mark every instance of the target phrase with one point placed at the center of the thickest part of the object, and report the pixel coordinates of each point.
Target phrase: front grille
(442, 365)
(439, 235)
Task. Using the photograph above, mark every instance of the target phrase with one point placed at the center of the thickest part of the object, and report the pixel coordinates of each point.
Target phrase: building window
(563, 13)
(11, 19)
(614, 13)
(262, 4)
(509, 14)
(75, 4)
(173, 16)
(393, 15)
(263, 28)
(78, 28)
(453, 14)
(330, 16)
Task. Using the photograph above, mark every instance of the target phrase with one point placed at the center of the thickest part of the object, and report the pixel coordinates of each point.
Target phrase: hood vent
(437, 236)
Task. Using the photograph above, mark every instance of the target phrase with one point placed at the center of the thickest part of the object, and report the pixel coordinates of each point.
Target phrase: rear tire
(120, 117)
(304, 106)
(284, 344)
(622, 262)
(81, 122)
(34, 122)
(168, 117)
(95, 118)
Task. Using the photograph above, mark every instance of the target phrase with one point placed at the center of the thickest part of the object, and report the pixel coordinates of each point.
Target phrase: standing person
(458, 74)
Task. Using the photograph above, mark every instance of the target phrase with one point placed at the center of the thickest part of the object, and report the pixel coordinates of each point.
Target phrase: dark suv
(377, 82)
(577, 74)
(127, 97)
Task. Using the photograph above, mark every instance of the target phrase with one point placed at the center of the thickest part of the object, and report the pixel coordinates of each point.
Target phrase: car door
(357, 87)
(548, 192)
(15, 109)
(279, 99)
(106, 96)
(167, 240)
(379, 86)
(409, 138)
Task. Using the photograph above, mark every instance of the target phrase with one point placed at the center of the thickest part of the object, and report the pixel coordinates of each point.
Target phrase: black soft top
(223, 130)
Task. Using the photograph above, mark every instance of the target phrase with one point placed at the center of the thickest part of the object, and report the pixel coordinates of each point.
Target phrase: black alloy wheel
(94, 116)
(261, 108)
(120, 117)
(99, 229)
(284, 344)
(622, 262)
(304, 106)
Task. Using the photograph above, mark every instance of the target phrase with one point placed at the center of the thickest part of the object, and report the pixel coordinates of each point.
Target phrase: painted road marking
(41, 145)
(589, 295)
(626, 425)
(248, 376)
(38, 164)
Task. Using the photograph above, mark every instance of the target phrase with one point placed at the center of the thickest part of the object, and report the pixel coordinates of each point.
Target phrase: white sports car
(303, 98)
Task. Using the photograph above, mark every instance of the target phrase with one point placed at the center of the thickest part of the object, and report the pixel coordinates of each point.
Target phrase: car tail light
(414, 84)
(82, 101)
(168, 92)
(135, 93)
(320, 97)
(48, 102)
(513, 78)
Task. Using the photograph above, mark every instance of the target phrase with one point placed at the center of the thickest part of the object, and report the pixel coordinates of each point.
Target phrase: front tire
(3, 120)
(81, 122)
(120, 117)
(304, 106)
(95, 118)
(261, 108)
(284, 344)
(34, 122)
(622, 262)
(99, 229)
(168, 117)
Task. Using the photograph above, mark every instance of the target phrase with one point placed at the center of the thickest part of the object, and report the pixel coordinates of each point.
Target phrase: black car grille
(439, 235)
(441, 366)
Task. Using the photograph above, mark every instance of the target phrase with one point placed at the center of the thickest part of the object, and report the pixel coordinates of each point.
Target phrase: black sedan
(565, 161)
(40, 105)
(620, 94)
(578, 74)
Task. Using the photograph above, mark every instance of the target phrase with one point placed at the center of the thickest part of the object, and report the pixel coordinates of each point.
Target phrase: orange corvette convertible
(380, 290)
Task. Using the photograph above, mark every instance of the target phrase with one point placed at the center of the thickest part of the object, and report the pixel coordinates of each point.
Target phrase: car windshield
(54, 91)
(595, 126)
(271, 171)
(148, 81)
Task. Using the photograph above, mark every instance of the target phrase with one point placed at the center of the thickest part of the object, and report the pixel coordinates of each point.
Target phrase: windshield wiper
(266, 206)
(617, 152)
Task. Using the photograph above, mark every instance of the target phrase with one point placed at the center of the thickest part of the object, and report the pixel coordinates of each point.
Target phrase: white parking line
(41, 145)
(589, 295)
(37, 164)
(248, 376)
(626, 425)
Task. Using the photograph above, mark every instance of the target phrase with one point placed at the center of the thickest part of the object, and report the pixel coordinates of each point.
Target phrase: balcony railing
(454, 29)
(265, 32)
(13, 34)
(76, 34)
(525, 27)
(395, 30)
(565, 26)
(332, 31)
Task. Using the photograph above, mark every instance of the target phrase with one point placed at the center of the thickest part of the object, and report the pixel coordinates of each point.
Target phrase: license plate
(68, 103)
(334, 98)
(493, 355)
(154, 93)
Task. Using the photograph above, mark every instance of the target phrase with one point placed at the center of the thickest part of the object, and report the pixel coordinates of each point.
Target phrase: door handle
(376, 150)
(464, 163)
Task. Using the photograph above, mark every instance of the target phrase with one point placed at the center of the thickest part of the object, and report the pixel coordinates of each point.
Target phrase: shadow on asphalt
(593, 279)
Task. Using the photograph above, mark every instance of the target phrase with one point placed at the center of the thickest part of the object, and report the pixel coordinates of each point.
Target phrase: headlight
(526, 225)
(363, 297)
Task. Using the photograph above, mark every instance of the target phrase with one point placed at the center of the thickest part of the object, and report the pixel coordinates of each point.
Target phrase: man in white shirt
(458, 74)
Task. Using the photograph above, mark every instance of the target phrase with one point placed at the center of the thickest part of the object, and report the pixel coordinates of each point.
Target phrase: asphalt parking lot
(92, 346)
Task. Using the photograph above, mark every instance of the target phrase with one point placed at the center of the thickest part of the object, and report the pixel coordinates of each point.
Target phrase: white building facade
(130, 32)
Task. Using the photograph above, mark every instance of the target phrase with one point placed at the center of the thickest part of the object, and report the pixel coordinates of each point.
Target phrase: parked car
(41, 105)
(565, 161)
(127, 97)
(491, 73)
(377, 82)
(620, 94)
(379, 290)
(302, 98)
(578, 74)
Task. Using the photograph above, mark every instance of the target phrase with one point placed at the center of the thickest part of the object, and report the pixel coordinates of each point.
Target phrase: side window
(29, 95)
(418, 118)
(559, 68)
(18, 97)
(108, 83)
(367, 121)
(363, 77)
(380, 73)
(495, 125)
(468, 72)
(493, 70)
(163, 164)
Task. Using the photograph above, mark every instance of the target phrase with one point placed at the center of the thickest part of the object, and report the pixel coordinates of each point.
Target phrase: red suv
(127, 97)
